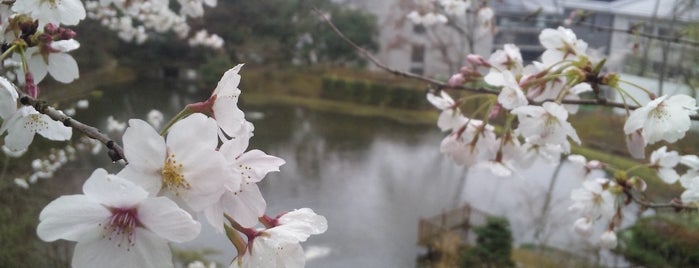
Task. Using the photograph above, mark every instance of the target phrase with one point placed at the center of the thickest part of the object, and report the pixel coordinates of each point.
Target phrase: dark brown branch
(674, 204)
(115, 151)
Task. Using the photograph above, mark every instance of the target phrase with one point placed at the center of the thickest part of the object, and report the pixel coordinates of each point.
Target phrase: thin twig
(439, 85)
(115, 151)
(674, 204)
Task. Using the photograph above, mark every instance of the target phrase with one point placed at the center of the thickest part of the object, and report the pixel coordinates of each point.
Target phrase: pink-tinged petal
(143, 147)
(71, 217)
(113, 191)
(63, 67)
(195, 132)
(291, 256)
(260, 163)
(54, 130)
(148, 251)
(636, 145)
(149, 180)
(246, 205)
(164, 218)
(231, 149)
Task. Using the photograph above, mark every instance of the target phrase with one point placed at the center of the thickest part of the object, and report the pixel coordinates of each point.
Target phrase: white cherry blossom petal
(70, 217)
(164, 218)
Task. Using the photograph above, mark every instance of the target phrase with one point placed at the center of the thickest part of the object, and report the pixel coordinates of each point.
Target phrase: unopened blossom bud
(477, 60)
(456, 80)
(583, 227)
(66, 34)
(608, 240)
(50, 28)
(470, 73)
(594, 164)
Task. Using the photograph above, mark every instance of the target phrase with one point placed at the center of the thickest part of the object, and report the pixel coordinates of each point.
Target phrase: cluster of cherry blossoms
(198, 167)
(438, 12)
(37, 44)
(535, 100)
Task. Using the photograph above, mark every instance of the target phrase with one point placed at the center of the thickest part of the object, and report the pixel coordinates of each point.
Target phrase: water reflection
(372, 178)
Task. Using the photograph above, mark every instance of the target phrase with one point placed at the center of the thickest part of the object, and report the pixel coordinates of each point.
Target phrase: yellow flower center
(172, 175)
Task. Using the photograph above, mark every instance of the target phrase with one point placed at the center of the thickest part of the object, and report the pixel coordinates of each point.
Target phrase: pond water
(372, 178)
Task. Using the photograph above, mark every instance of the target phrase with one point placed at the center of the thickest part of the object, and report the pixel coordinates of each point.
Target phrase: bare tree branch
(674, 204)
(115, 151)
(439, 85)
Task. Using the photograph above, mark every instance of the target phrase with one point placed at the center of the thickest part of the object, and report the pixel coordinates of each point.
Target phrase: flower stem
(182, 114)
(637, 86)
(8, 52)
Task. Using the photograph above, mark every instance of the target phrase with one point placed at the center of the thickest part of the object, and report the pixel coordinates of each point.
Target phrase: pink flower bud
(456, 80)
(495, 111)
(477, 60)
(50, 28)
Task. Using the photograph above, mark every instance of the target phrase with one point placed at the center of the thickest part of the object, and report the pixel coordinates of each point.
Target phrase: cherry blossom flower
(471, 144)
(66, 12)
(186, 164)
(116, 224)
(223, 106)
(663, 118)
(455, 7)
(545, 124)
(592, 201)
(664, 162)
(279, 246)
(245, 204)
(507, 58)
(511, 95)
(451, 116)
(561, 44)
(427, 19)
(53, 59)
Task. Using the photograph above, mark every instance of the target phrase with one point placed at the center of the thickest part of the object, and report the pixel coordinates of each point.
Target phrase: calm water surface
(372, 178)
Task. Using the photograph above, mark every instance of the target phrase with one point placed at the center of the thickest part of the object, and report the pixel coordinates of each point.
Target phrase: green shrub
(493, 245)
(661, 242)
